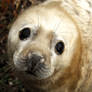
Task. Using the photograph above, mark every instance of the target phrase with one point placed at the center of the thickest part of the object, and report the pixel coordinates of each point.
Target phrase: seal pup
(48, 45)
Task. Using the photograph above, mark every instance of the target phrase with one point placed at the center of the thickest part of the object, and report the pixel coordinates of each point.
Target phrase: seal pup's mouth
(40, 71)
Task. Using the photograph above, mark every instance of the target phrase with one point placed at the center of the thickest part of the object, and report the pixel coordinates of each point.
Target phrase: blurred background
(9, 10)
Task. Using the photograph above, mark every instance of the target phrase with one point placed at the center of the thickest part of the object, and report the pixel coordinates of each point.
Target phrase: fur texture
(76, 60)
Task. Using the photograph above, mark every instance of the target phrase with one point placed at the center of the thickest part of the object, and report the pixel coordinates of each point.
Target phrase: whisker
(38, 21)
(10, 67)
(57, 25)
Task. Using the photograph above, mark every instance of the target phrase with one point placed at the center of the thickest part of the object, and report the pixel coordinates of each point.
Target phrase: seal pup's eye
(24, 33)
(59, 48)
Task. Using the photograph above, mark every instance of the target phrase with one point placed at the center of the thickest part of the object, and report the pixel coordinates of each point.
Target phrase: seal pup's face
(43, 40)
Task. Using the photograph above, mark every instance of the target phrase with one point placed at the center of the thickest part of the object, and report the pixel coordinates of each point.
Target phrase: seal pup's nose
(33, 63)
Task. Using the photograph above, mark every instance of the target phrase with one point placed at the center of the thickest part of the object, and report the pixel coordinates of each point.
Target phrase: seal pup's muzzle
(36, 66)
(34, 63)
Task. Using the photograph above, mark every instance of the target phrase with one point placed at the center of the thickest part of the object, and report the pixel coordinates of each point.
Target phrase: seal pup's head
(44, 39)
